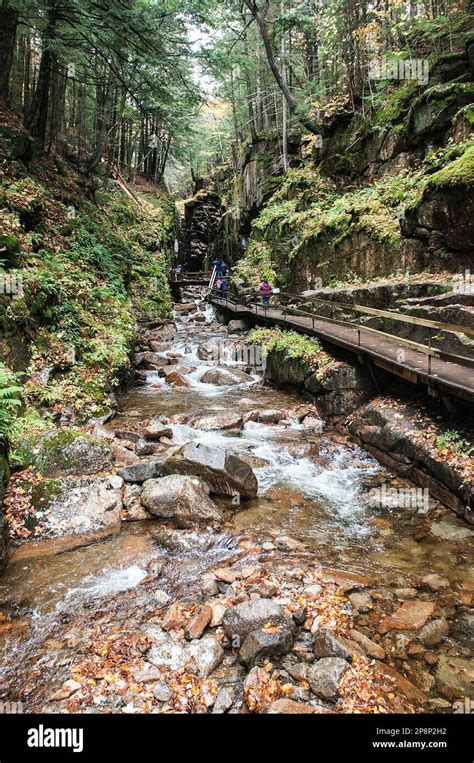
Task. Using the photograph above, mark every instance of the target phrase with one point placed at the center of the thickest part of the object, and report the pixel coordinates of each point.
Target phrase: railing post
(429, 363)
(358, 337)
(313, 321)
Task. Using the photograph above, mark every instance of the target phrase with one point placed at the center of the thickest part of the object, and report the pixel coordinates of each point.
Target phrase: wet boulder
(224, 420)
(456, 676)
(177, 379)
(174, 369)
(329, 644)
(209, 350)
(434, 632)
(224, 472)
(222, 377)
(183, 499)
(156, 429)
(266, 416)
(150, 361)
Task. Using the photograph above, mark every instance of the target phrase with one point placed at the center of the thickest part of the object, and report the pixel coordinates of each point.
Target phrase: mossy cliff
(388, 189)
(84, 267)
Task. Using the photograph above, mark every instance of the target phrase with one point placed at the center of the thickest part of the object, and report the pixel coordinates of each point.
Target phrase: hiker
(265, 291)
(217, 265)
(224, 269)
(224, 287)
(218, 284)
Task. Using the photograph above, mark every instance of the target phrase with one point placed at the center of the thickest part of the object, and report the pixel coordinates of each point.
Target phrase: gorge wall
(388, 189)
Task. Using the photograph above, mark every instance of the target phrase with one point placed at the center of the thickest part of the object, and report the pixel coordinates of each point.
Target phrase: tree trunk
(104, 126)
(8, 29)
(284, 121)
(36, 118)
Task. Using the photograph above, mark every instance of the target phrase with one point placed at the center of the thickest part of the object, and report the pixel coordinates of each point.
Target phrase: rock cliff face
(198, 230)
(385, 190)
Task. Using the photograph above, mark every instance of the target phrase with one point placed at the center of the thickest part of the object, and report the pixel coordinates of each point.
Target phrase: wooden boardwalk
(440, 374)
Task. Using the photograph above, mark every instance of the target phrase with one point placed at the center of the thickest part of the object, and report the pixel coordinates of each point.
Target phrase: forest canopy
(170, 89)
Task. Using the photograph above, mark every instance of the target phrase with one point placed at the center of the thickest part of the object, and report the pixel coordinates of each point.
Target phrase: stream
(311, 508)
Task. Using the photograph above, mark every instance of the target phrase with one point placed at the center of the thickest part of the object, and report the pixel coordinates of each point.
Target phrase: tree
(299, 111)
(8, 27)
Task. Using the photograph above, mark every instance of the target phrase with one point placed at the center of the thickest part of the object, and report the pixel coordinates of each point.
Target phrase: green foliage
(452, 441)
(10, 400)
(257, 265)
(292, 346)
(85, 292)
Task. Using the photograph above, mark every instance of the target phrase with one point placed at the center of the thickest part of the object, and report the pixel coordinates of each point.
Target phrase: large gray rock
(150, 360)
(242, 619)
(325, 677)
(145, 470)
(266, 416)
(86, 506)
(225, 376)
(224, 472)
(266, 643)
(181, 498)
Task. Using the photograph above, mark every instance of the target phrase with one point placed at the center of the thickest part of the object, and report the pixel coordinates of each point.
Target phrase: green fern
(9, 400)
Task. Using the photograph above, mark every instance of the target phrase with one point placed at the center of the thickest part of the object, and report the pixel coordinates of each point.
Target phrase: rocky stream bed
(216, 547)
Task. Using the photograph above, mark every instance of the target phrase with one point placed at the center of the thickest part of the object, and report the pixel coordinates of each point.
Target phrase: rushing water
(312, 487)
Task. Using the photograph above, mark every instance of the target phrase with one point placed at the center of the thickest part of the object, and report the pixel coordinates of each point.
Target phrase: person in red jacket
(265, 291)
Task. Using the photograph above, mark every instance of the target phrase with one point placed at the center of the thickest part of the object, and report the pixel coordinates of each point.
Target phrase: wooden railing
(431, 352)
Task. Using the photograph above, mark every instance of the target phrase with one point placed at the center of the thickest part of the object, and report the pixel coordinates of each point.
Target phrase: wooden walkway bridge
(441, 372)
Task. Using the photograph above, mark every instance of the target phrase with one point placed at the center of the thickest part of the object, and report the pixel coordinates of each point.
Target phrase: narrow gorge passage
(136, 623)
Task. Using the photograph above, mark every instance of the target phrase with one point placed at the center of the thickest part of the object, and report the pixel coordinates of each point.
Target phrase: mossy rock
(65, 452)
(9, 249)
(458, 173)
(14, 144)
(433, 112)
